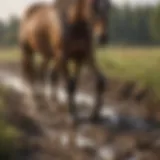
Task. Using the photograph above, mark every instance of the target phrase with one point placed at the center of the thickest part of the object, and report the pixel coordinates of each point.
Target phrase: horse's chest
(77, 47)
(78, 41)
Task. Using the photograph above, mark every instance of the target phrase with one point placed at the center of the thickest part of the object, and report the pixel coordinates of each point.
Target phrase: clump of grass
(141, 65)
(8, 137)
(8, 134)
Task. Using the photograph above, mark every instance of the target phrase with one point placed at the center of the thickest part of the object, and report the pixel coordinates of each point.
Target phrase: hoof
(95, 118)
(102, 83)
(71, 86)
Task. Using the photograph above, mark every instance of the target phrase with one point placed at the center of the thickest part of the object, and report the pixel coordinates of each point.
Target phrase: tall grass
(138, 64)
(8, 134)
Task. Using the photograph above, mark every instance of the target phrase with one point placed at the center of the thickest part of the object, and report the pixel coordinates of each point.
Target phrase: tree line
(138, 25)
(134, 26)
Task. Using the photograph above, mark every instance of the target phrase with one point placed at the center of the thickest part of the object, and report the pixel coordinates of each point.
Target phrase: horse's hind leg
(100, 88)
(54, 75)
(28, 63)
(43, 69)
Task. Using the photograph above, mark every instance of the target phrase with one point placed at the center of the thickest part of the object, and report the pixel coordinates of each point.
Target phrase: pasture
(139, 64)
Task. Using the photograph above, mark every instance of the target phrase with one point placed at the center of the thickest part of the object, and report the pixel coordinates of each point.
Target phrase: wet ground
(128, 129)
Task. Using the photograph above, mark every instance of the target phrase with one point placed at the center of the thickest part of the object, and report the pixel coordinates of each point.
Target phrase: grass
(137, 64)
(8, 134)
(9, 55)
(141, 64)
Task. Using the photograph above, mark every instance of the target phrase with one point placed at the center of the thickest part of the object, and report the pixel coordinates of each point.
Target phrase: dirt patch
(48, 135)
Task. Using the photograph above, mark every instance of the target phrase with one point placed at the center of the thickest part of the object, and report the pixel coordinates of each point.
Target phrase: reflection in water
(106, 152)
(82, 141)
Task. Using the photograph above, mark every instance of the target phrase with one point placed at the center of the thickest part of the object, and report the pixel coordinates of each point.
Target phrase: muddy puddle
(49, 132)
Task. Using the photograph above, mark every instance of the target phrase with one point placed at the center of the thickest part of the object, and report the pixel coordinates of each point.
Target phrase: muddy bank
(128, 129)
(50, 134)
(118, 92)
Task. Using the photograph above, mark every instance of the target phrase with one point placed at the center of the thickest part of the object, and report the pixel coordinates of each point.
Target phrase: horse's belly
(78, 48)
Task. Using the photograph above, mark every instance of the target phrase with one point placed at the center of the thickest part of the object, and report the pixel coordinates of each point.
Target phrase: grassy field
(9, 55)
(137, 64)
(141, 64)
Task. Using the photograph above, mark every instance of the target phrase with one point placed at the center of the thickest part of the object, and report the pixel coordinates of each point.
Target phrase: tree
(155, 23)
(2, 32)
(11, 36)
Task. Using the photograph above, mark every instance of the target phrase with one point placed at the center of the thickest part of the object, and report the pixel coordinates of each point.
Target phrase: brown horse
(42, 30)
(79, 47)
(34, 33)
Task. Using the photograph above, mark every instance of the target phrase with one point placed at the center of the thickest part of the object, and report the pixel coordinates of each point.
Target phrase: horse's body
(42, 30)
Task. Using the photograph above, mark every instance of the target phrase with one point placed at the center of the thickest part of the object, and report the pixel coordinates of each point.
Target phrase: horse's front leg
(54, 76)
(43, 69)
(100, 89)
(71, 87)
(42, 74)
(28, 68)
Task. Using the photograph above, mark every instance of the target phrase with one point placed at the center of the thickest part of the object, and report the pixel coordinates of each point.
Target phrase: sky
(9, 7)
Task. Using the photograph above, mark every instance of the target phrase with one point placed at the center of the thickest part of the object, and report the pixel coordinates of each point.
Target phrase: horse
(100, 9)
(79, 47)
(42, 30)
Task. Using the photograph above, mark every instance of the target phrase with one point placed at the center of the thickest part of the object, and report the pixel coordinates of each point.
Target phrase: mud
(128, 128)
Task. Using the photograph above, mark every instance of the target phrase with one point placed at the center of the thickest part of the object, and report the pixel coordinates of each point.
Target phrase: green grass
(141, 64)
(9, 55)
(8, 134)
(138, 64)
